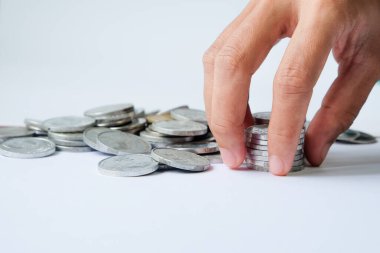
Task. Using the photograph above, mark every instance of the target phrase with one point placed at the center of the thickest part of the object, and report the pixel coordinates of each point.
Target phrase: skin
(350, 28)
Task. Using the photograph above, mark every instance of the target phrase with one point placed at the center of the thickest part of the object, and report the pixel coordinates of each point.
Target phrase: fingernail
(276, 165)
(229, 158)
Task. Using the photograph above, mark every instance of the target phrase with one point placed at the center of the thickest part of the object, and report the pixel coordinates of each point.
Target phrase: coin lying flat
(68, 124)
(189, 114)
(180, 159)
(27, 147)
(35, 125)
(197, 148)
(136, 123)
(66, 136)
(260, 147)
(120, 143)
(266, 169)
(265, 153)
(132, 165)
(261, 117)
(68, 143)
(114, 122)
(356, 137)
(74, 149)
(90, 136)
(180, 128)
(106, 110)
(14, 131)
(152, 136)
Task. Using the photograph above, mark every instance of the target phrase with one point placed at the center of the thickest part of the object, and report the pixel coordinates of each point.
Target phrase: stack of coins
(123, 117)
(256, 140)
(67, 132)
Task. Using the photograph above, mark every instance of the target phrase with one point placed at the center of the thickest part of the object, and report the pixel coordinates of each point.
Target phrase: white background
(63, 57)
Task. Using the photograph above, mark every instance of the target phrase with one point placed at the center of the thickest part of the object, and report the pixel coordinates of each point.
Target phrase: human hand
(350, 28)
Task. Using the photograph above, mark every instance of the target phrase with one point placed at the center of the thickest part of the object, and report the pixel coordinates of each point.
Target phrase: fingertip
(232, 157)
(277, 166)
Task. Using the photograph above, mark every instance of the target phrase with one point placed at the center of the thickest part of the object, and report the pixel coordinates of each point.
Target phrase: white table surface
(63, 57)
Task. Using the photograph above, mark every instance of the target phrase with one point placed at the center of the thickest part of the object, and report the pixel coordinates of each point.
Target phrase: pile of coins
(173, 139)
(256, 141)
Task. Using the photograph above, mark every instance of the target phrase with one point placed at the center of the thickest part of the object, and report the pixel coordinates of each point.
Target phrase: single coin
(132, 165)
(180, 128)
(74, 149)
(253, 141)
(189, 114)
(197, 148)
(158, 117)
(152, 137)
(266, 163)
(27, 147)
(33, 124)
(136, 123)
(266, 158)
(365, 138)
(14, 131)
(180, 159)
(260, 147)
(90, 136)
(66, 136)
(68, 124)
(261, 132)
(266, 169)
(261, 117)
(106, 110)
(348, 136)
(113, 123)
(68, 143)
(120, 143)
(265, 153)
(356, 137)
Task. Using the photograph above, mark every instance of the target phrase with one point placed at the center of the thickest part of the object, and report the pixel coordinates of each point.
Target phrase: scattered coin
(27, 147)
(197, 148)
(356, 137)
(132, 165)
(180, 128)
(138, 123)
(14, 131)
(74, 149)
(189, 114)
(68, 143)
(68, 124)
(66, 136)
(104, 111)
(180, 159)
(36, 126)
(155, 137)
(120, 143)
(90, 136)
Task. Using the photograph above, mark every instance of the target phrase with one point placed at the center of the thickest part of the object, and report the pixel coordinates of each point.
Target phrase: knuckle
(229, 58)
(330, 10)
(221, 128)
(291, 81)
(343, 119)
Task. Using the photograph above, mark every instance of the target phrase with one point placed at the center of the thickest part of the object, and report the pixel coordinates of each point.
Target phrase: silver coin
(197, 148)
(180, 128)
(261, 117)
(260, 147)
(265, 153)
(356, 137)
(261, 132)
(139, 113)
(33, 124)
(68, 143)
(66, 136)
(106, 110)
(151, 137)
(68, 124)
(209, 137)
(175, 108)
(120, 143)
(90, 136)
(180, 159)
(74, 149)
(14, 131)
(27, 147)
(365, 138)
(136, 123)
(133, 165)
(266, 158)
(189, 114)
(265, 142)
(266, 163)
(115, 123)
(266, 169)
